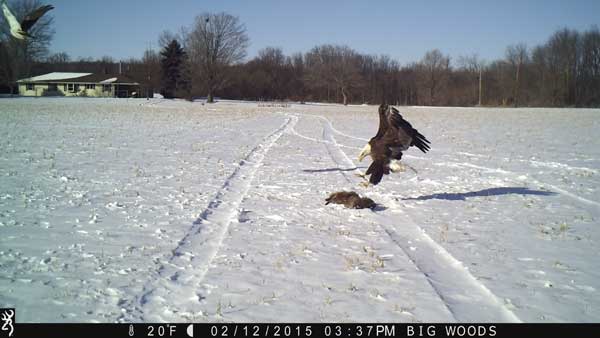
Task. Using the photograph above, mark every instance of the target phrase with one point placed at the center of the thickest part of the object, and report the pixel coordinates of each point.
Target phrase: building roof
(57, 77)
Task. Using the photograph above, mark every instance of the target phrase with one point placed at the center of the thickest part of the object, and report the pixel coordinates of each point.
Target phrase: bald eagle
(394, 136)
(20, 30)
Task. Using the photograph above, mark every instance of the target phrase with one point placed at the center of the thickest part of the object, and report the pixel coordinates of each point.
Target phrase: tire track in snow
(173, 290)
(567, 193)
(511, 173)
(296, 133)
(535, 181)
(332, 128)
(465, 297)
(534, 163)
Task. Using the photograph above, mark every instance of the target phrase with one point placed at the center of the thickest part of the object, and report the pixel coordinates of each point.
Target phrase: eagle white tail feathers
(396, 166)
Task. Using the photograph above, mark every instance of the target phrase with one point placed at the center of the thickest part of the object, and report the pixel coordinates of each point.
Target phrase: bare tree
(298, 74)
(215, 42)
(106, 65)
(589, 90)
(542, 87)
(274, 69)
(167, 37)
(17, 56)
(152, 73)
(564, 57)
(517, 55)
(434, 70)
(337, 67)
(59, 58)
(557, 64)
(380, 79)
(316, 75)
(474, 66)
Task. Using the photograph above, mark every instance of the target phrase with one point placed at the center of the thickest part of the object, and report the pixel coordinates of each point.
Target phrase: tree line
(208, 59)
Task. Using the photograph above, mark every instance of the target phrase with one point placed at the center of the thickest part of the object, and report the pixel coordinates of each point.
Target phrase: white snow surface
(128, 210)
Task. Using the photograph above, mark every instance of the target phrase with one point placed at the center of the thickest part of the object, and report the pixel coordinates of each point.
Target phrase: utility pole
(480, 84)
(148, 51)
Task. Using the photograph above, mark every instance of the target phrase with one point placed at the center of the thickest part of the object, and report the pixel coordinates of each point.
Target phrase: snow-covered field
(135, 210)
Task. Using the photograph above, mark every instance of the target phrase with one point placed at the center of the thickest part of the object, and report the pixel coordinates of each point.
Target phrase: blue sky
(402, 29)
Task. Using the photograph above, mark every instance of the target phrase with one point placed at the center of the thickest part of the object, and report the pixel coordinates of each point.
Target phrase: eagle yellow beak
(365, 151)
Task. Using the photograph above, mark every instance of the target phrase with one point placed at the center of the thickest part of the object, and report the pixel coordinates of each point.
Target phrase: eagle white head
(365, 151)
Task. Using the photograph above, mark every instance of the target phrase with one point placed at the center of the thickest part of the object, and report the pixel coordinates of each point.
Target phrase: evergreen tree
(172, 65)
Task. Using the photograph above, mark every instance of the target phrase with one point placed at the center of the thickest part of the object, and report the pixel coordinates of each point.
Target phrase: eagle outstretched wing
(405, 131)
(32, 17)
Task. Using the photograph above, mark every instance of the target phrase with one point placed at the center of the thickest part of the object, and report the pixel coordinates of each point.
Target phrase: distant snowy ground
(135, 210)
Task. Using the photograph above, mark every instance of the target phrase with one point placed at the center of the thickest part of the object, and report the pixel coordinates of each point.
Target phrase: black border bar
(302, 330)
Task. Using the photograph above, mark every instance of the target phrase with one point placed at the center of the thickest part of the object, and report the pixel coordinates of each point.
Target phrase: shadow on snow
(482, 193)
(331, 169)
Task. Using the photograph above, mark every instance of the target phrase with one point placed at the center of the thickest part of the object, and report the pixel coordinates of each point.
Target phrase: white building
(78, 84)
